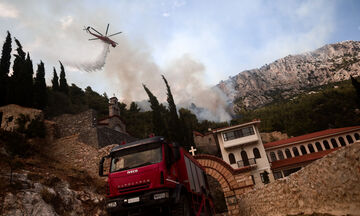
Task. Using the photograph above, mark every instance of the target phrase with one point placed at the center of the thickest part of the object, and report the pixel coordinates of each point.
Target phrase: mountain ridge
(293, 74)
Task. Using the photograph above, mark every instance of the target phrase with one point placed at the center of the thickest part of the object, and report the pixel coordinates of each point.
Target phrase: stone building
(107, 131)
(290, 155)
(206, 143)
(10, 113)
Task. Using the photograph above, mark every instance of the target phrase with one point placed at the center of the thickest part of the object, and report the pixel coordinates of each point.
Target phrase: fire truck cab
(154, 176)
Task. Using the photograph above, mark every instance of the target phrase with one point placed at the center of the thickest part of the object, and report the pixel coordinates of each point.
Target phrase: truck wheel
(182, 208)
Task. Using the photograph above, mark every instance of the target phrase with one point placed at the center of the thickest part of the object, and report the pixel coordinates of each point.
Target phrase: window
(326, 144)
(238, 133)
(232, 158)
(334, 143)
(357, 137)
(289, 171)
(342, 142)
(303, 150)
(281, 155)
(265, 177)
(245, 158)
(311, 148)
(318, 146)
(273, 156)
(295, 151)
(288, 153)
(277, 175)
(256, 153)
(349, 139)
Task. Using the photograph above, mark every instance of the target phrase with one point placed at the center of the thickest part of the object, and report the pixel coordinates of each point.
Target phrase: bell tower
(114, 107)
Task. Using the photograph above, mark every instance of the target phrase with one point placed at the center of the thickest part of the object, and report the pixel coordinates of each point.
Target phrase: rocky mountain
(294, 74)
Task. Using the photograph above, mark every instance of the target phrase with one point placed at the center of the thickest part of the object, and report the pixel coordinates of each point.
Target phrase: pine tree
(40, 96)
(55, 81)
(158, 121)
(4, 69)
(175, 132)
(356, 85)
(134, 107)
(63, 87)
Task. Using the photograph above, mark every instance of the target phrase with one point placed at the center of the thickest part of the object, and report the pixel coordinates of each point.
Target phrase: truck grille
(134, 187)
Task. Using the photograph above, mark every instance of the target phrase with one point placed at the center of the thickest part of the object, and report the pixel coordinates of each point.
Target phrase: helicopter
(98, 36)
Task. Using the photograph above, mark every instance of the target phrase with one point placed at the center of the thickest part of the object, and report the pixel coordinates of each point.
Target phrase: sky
(195, 44)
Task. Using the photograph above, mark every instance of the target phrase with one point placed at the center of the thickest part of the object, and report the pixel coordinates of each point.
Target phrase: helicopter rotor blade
(107, 28)
(94, 39)
(114, 34)
(96, 31)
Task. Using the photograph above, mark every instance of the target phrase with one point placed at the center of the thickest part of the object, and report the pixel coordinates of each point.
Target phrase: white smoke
(94, 64)
(55, 34)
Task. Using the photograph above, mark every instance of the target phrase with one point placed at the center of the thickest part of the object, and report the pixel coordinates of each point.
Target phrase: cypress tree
(28, 87)
(175, 132)
(40, 96)
(4, 69)
(158, 122)
(63, 87)
(55, 81)
(17, 79)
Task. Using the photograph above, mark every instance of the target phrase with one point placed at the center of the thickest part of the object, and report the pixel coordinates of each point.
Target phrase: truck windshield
(136, 157)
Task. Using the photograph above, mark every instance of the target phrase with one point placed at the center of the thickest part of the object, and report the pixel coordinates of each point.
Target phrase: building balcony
(241, 141)
(249, 162)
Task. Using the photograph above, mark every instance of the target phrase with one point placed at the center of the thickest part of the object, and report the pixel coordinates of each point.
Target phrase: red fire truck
(153, 175)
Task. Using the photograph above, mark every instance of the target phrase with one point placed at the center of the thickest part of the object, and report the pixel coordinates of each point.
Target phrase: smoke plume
(94, 64)
(55, 33)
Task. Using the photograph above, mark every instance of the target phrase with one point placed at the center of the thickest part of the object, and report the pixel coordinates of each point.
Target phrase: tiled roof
(300, 159)
(196, 133)
(310, 136)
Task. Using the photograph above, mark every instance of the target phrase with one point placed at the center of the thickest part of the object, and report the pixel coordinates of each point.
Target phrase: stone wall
(81, 123)
(107, 136)
(273, 136)
(329, 185)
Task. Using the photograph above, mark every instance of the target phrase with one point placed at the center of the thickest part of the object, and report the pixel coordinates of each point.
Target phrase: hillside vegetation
(331, 106)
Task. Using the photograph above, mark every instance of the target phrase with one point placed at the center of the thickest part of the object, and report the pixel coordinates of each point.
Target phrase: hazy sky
(202, 39)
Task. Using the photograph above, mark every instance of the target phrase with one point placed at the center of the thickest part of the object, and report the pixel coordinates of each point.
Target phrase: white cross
(192, 150)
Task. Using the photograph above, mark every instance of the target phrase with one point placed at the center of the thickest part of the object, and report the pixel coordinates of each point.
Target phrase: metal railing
(249, 162)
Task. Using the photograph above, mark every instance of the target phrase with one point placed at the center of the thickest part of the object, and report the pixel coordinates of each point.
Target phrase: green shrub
(35, 127)
(14, 142)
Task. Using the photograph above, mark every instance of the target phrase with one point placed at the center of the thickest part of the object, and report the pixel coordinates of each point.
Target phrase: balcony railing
(249, 162)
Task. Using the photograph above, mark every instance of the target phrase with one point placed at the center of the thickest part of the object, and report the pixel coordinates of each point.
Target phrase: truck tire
(182, 208)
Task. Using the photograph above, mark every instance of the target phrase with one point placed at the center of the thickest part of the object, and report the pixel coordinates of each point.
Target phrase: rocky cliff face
(294, 73)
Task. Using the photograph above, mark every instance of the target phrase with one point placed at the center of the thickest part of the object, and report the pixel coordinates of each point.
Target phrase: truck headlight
(161, 195)
(111, 205)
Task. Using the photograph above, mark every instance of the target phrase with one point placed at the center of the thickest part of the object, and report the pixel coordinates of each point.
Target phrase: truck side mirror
(101, 167)
(176, 149)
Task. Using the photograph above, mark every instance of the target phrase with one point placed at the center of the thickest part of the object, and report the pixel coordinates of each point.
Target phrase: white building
(241, 146)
